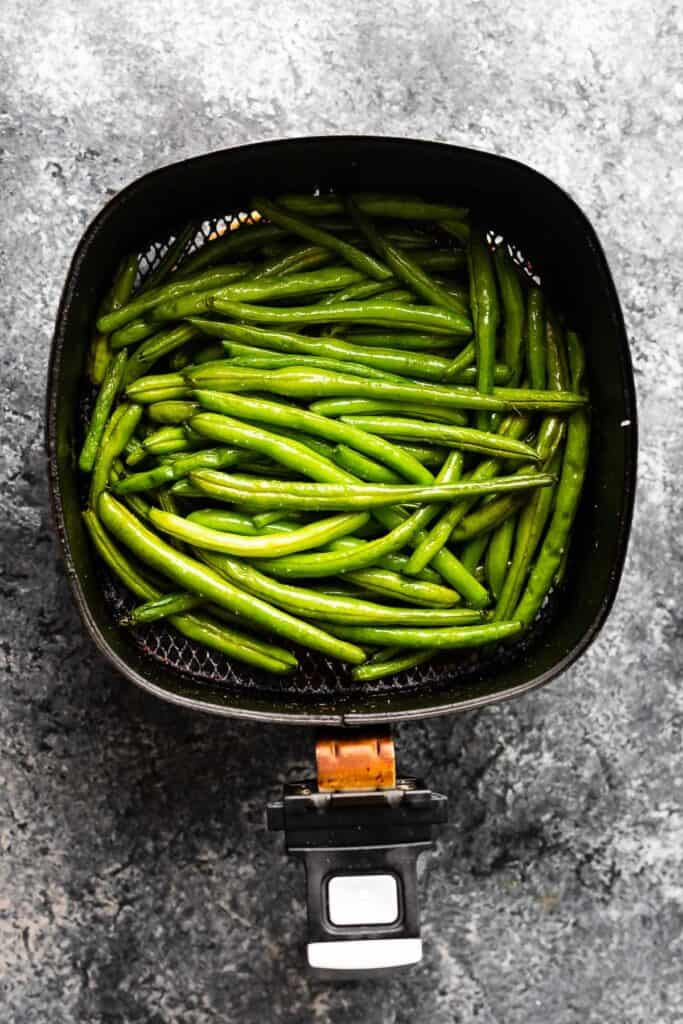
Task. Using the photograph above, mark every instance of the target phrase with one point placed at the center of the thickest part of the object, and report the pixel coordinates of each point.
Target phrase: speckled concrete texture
(137, 882)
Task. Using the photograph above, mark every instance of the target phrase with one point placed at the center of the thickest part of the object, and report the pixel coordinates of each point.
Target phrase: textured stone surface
(137, 883)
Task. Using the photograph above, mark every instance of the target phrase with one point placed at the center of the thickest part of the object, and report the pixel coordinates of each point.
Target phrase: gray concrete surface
(137, 883)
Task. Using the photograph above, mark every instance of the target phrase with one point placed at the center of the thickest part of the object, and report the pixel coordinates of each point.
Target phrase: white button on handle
(362, 899)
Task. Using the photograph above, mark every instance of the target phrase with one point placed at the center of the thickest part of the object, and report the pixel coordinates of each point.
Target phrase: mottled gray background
(137, 882)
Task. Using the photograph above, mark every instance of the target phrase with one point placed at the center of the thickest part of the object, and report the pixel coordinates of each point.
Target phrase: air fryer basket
(553, 234)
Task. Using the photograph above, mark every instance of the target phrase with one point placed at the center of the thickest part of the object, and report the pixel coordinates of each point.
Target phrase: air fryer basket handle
(360, 848)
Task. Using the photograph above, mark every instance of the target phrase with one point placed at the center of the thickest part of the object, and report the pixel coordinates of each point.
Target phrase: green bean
(574, 465)
(465, 438)
(99, 354)
(167, 441)
(154, 382)
(485, 315)
(361, 465)
(284, 450)
(551, 431)
(448, 637)
(311, 535)
(489, 516)
(171, 258)
(162, 394)
(394, 361)
(361, 406)
(393, 585)
(473, 551)
(172, 412)
(400, 339)
(228, 641)
(277, 361)
(205, 582)
(399, 662)
(363, 290)
(298, 225)
(261, 494)
(166, 293)
(133, 333)
(456, 227)
(184, 306)
(221, 519)
(103, 405)
(532, 522)
(404, 267)
(286, 286)
(373, 312)
(246, 238)
(280, 415)
(514, 313)
(162, 608)
(514, 427)
(154, 348)
(535, 332)
(135, 452)
(112, 446)
(376, 205)
(210, 458)
(295, 260)
(395, 563)
(498, 553)
(336, 608)
(314, 384)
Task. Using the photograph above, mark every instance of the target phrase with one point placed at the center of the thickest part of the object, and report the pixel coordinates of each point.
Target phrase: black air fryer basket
(559, 244)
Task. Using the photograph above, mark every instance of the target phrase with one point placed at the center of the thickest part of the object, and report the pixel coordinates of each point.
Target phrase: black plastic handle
(360, 852)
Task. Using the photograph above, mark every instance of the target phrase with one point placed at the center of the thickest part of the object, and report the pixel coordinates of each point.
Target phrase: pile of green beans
(352, 426)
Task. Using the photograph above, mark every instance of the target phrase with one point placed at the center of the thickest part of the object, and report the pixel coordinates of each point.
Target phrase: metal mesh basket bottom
(318, 677)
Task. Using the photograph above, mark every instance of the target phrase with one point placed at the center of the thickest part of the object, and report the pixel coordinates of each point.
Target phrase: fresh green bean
(294, 260)
(514, 313)
(166, 441)
(514, 427)
(145, 301)
(277, 361)
(420, 365)
(122, 429)
(162, 608)
(284, 450)
(532, 522)
(373, 311)
(133, 333)
(231, 522)
(229, 641)
(151, 350)
(103, 406)
(261, 494)
(473, 551)
(400, 339)
(456, 227)
(295, 285)
(448, 637)
(314, 384)
(488, 517)
(400, 660)
(404, 267)
(375, 205)
(205, 582)
(362, 466)
(99, 354)
(498, 554)
(311, 535)
(485, 315)
(363, 290)
(465, 438)
(535, 333)
(398, 588)
(358, 259)
(177, 469)
(335, 608)
(362, 406)
(279, 415)
(247, 238)
(574, 465)
(172, 412)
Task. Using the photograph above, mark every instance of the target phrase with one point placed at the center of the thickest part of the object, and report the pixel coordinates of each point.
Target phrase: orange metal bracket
(355, 762)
